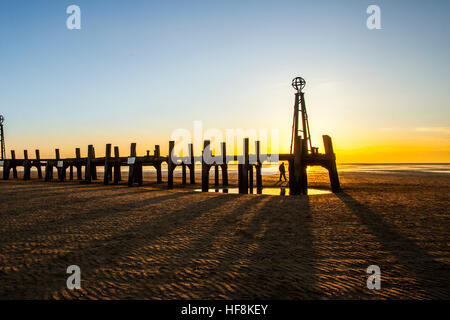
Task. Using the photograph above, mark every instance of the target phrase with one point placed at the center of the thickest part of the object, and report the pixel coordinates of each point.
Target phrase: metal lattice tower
(300, 108)
(2, 136)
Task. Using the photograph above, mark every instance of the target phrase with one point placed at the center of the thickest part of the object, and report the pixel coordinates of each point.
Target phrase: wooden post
(170, 165)
(332, 169)
(117, 173)
(13, 163)
(250, 178)
(205, 168)
(224, 164)
(107, 164)
(183, 173)
(304, 171)
(192, 164)
(88, 170)
(71, 172)
(6, 169)
(258, 168)
(158, 165)
(244, 170)
(291, 176)
(132, 164)
(26, 166)
(78, 165)
(48, 170)
(93, 165)
(297, 187)
(216, 175)
(38, 161)
(139, 173)
(61, 170)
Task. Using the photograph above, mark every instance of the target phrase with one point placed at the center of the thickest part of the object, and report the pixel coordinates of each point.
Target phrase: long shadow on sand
(214, 263)
(92, 256)
(65, 201)
(283, 265)
(54, 224)
(408, 253)
(246, 259)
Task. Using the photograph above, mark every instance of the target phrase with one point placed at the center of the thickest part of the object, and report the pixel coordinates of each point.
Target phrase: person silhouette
(282, 171)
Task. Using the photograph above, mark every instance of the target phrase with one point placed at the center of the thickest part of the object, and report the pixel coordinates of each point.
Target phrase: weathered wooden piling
(132, 164)
(191, 165)
(6, 169)
(108, 164)
(205, 166)
(89, 164)
(49, 170)
(26, 166)
(117, 172)
(332, 169)
(216, 175)
(60, 166)
(78, 164)
(224, 165)
(183, 173)
(250, 178)
(13, 164)
(93, 166)
(170, 165)
(296, 187)
(304, 167)
(38, 164)
(243, 169)
(158, 165)
(258, 168)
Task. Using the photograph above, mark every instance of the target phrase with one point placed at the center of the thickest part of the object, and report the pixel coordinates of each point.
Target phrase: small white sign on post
(131, 160)
(2, 163)
(60, 164)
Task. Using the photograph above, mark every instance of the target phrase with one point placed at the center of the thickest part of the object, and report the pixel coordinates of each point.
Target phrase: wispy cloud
(438, 130)
(430, 130)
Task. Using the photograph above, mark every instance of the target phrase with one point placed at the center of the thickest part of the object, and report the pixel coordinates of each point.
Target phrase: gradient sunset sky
(137, 70)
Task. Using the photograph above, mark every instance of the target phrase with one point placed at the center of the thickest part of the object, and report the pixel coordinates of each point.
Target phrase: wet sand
(151, 243)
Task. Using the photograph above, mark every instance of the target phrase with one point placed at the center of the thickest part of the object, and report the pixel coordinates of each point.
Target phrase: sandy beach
(151, 243)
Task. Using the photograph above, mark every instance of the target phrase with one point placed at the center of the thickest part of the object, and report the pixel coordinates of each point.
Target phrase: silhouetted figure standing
(282, 171)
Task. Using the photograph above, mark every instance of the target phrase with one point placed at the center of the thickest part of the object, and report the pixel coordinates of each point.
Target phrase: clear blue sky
(139, 69)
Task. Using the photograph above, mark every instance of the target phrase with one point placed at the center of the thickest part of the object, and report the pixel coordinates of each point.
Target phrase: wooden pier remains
(302, 155)
(249, 166)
